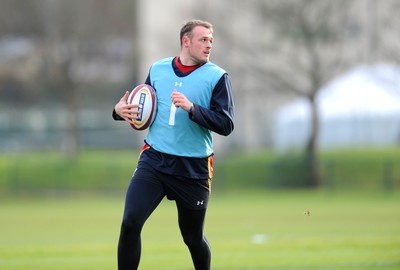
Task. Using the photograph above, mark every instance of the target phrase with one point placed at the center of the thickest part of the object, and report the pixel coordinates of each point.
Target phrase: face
(198, 47)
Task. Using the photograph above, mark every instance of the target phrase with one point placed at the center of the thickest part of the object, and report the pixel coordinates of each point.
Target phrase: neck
(184, 68)
(184, 60)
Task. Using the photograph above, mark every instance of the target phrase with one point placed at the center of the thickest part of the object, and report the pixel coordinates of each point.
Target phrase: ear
(185, 41)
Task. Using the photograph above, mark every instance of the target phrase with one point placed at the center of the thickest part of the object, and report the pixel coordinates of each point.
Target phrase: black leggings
(143, 195)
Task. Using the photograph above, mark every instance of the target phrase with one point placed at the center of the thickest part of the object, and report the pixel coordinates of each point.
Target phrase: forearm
(219, 118)
(219, 122)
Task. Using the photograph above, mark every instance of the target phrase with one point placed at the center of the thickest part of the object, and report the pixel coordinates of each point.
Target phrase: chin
(200, 61)
(205, 60)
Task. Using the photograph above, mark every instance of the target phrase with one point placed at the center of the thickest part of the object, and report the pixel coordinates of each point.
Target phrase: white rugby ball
(145, 96)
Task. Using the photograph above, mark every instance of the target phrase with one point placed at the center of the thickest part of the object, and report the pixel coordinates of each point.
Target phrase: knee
(193, 240)
(130, 225)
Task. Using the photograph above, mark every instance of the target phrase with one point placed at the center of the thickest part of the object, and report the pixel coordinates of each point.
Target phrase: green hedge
(111, 170)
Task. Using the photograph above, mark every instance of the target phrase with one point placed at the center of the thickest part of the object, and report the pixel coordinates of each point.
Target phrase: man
(194, 99)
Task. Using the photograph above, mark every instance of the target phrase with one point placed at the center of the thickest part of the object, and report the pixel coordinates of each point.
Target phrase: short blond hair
(188, 26)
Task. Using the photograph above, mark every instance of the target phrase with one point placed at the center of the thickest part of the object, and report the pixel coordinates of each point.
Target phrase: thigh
(190, 193)
(191, 222)
(144, 193)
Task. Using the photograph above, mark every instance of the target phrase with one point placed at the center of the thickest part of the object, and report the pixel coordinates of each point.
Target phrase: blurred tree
(308, 49)
(386, 29)
(14, 16)
(76, 31)
(14, 26)
(66, 49)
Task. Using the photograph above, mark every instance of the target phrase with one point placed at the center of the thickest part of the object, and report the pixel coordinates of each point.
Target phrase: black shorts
(187, 192)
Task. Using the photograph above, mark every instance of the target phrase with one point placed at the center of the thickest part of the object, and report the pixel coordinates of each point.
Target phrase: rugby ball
(145, 96)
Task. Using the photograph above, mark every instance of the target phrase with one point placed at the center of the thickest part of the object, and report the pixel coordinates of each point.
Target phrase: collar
(183, 68)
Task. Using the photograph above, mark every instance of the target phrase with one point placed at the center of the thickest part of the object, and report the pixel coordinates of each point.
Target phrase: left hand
(180, 101)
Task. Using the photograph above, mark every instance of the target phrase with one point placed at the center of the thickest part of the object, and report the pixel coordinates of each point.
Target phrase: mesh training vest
(172, 131)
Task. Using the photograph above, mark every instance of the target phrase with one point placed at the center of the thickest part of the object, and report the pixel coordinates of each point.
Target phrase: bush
(289, 171)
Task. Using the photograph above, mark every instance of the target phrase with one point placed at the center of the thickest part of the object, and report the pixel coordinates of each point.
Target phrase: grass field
(255, 230)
